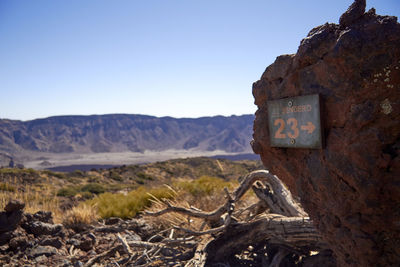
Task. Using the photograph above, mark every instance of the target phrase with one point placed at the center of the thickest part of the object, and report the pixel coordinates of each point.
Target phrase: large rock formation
(351, 187)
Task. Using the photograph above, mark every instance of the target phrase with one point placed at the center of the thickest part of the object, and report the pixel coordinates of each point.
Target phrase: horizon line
(130, 114)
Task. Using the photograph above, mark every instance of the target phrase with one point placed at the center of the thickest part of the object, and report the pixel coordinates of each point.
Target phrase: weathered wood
(295, 232)
(273, 192)
(287, 227)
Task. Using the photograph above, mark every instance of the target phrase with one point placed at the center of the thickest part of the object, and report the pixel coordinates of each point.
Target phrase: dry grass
(81, 215)
(40, 191)
(36, 198)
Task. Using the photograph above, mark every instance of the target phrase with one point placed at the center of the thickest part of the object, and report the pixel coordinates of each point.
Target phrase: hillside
(123, 132)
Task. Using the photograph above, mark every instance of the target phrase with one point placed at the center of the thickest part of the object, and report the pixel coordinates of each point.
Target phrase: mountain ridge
(125, 132)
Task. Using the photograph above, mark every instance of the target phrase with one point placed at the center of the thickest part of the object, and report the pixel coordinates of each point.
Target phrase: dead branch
(103, 255)
(211, 217)
(287, 226)
(125, 245)
(276, 196)
(199, 233)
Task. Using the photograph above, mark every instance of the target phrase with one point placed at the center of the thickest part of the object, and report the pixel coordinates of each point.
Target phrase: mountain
(123, 132)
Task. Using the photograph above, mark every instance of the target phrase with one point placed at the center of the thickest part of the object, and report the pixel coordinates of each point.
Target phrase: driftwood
(286, 228)
(275, 230)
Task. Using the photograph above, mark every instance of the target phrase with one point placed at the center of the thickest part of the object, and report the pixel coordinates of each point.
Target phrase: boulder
(350, 187)
(14, 205)
(11, 217)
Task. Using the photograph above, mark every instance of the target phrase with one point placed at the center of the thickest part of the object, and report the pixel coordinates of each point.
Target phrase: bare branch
(125, 245)
(282, 197)
(210, 216)
(199, 233)
(103, 255)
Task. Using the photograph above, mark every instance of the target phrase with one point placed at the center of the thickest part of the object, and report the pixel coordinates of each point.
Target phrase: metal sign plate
(295, 122)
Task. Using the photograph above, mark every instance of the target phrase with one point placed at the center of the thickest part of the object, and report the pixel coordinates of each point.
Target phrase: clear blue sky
(186, 58)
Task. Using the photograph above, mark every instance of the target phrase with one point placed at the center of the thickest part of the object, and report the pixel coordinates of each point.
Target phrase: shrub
(127, 206)
(144, 176)
(203, 186)
(80, 216)
(85, 195)
(59, 175)
(93, 188)
(78, 173)
(14, 171)
(94, 179)
(116, 177)
(69, 191)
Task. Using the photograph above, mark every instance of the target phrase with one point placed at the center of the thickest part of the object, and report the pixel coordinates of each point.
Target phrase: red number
(293, 123)
(279, 133)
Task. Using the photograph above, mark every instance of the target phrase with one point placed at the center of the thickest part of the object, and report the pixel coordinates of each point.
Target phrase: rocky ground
(33, 239)
(275, 231)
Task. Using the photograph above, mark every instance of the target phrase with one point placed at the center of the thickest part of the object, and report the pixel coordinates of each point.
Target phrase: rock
(354, 12)
(41, 258)
(43, 216)
(73, 241)
(14, 205)
(323, 258)
(19, 243)
(9, 220)
(86, 243)
(140, 227)
(5, 237)
(109, 229)
(52, 241)
(351, 187)
(112, 220)
(66, 263)
(39, 228)
(43, 250)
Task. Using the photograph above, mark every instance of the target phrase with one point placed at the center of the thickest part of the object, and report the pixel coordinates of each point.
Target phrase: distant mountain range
(123, 132)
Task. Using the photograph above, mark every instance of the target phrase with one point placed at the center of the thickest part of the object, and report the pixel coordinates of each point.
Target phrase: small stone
(40, 258)
(112, 220)
(53, 242)
(86, 243)
(43, 250)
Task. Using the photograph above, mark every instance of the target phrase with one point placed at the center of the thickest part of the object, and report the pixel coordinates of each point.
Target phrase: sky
(179, 58)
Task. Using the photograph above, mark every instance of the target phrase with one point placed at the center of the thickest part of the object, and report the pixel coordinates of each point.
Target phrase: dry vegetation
(180, 215)
(82, 197)
(36, 196)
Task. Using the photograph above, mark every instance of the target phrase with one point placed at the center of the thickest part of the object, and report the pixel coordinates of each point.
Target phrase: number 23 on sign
(293, 131)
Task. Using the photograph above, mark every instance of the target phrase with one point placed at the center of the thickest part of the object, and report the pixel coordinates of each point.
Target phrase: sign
(295, 122)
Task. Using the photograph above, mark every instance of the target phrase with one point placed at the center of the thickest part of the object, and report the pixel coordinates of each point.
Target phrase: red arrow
(309, 127)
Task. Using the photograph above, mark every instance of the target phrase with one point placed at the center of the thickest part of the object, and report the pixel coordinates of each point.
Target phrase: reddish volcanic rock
(351, 187)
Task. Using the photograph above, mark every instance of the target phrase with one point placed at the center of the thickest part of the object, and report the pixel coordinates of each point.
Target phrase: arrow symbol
(309, 127)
